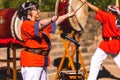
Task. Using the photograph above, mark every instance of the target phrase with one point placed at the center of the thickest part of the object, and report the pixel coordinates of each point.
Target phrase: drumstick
(79, 7)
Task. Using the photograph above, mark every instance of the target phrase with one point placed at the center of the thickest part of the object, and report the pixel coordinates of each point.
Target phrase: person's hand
(54, 18)
(71, 14)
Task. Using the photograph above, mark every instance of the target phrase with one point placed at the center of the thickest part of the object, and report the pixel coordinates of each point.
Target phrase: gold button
(110, 38)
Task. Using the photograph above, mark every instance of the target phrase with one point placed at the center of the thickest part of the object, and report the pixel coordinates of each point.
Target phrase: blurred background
(89, 40)
(49, 5)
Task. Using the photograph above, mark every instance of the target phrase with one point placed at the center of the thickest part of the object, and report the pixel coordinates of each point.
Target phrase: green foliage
(102, 4)
(13, 3)
(46, 5)
(49, 5)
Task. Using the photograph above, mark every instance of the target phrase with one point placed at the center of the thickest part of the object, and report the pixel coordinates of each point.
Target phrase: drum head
(15, 27)
(76, 22)
(79, 20)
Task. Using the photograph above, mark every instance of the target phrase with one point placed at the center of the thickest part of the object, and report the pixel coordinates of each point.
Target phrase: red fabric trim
(6, 42)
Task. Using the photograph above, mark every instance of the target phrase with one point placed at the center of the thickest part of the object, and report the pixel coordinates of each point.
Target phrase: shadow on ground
(65, 63)
(104, 73)
(3, 74)
(67, 73)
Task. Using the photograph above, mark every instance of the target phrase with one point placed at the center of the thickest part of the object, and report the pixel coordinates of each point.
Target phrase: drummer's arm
(43, 23)
(92, 6)
(56, 19)
(63, 17)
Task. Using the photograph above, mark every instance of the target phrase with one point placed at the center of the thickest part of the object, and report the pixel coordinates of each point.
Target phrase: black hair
(24, 7)
(112, 9)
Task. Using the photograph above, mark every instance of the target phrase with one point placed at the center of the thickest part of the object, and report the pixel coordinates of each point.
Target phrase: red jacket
(109, 29)
(28, 35)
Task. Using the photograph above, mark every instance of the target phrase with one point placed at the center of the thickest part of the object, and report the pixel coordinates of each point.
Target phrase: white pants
(97, 60)
(34, 73)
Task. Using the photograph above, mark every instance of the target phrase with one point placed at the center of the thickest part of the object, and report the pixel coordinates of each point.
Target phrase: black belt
(111, 38)
(38, 51)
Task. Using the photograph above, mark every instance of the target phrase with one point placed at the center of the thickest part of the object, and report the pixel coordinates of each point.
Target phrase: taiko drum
(76, 22)
(9, 24)
(5, 22)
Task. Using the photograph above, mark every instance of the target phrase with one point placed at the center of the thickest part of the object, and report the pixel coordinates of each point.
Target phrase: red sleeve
(27, 30)
(48, 28)
(101, 16)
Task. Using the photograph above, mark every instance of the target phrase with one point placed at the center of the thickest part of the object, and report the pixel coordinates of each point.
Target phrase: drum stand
(12, 45)
(66, 44)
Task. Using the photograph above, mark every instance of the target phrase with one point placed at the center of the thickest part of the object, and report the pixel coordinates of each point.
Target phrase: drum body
(9, 24)
(6, 17)
(76, 22)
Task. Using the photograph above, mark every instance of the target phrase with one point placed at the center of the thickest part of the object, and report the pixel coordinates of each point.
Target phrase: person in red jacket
(111, 38)
(35, 34)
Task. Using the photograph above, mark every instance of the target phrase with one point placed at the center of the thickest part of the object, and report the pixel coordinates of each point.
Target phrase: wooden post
(8, 63)
(14, 63)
